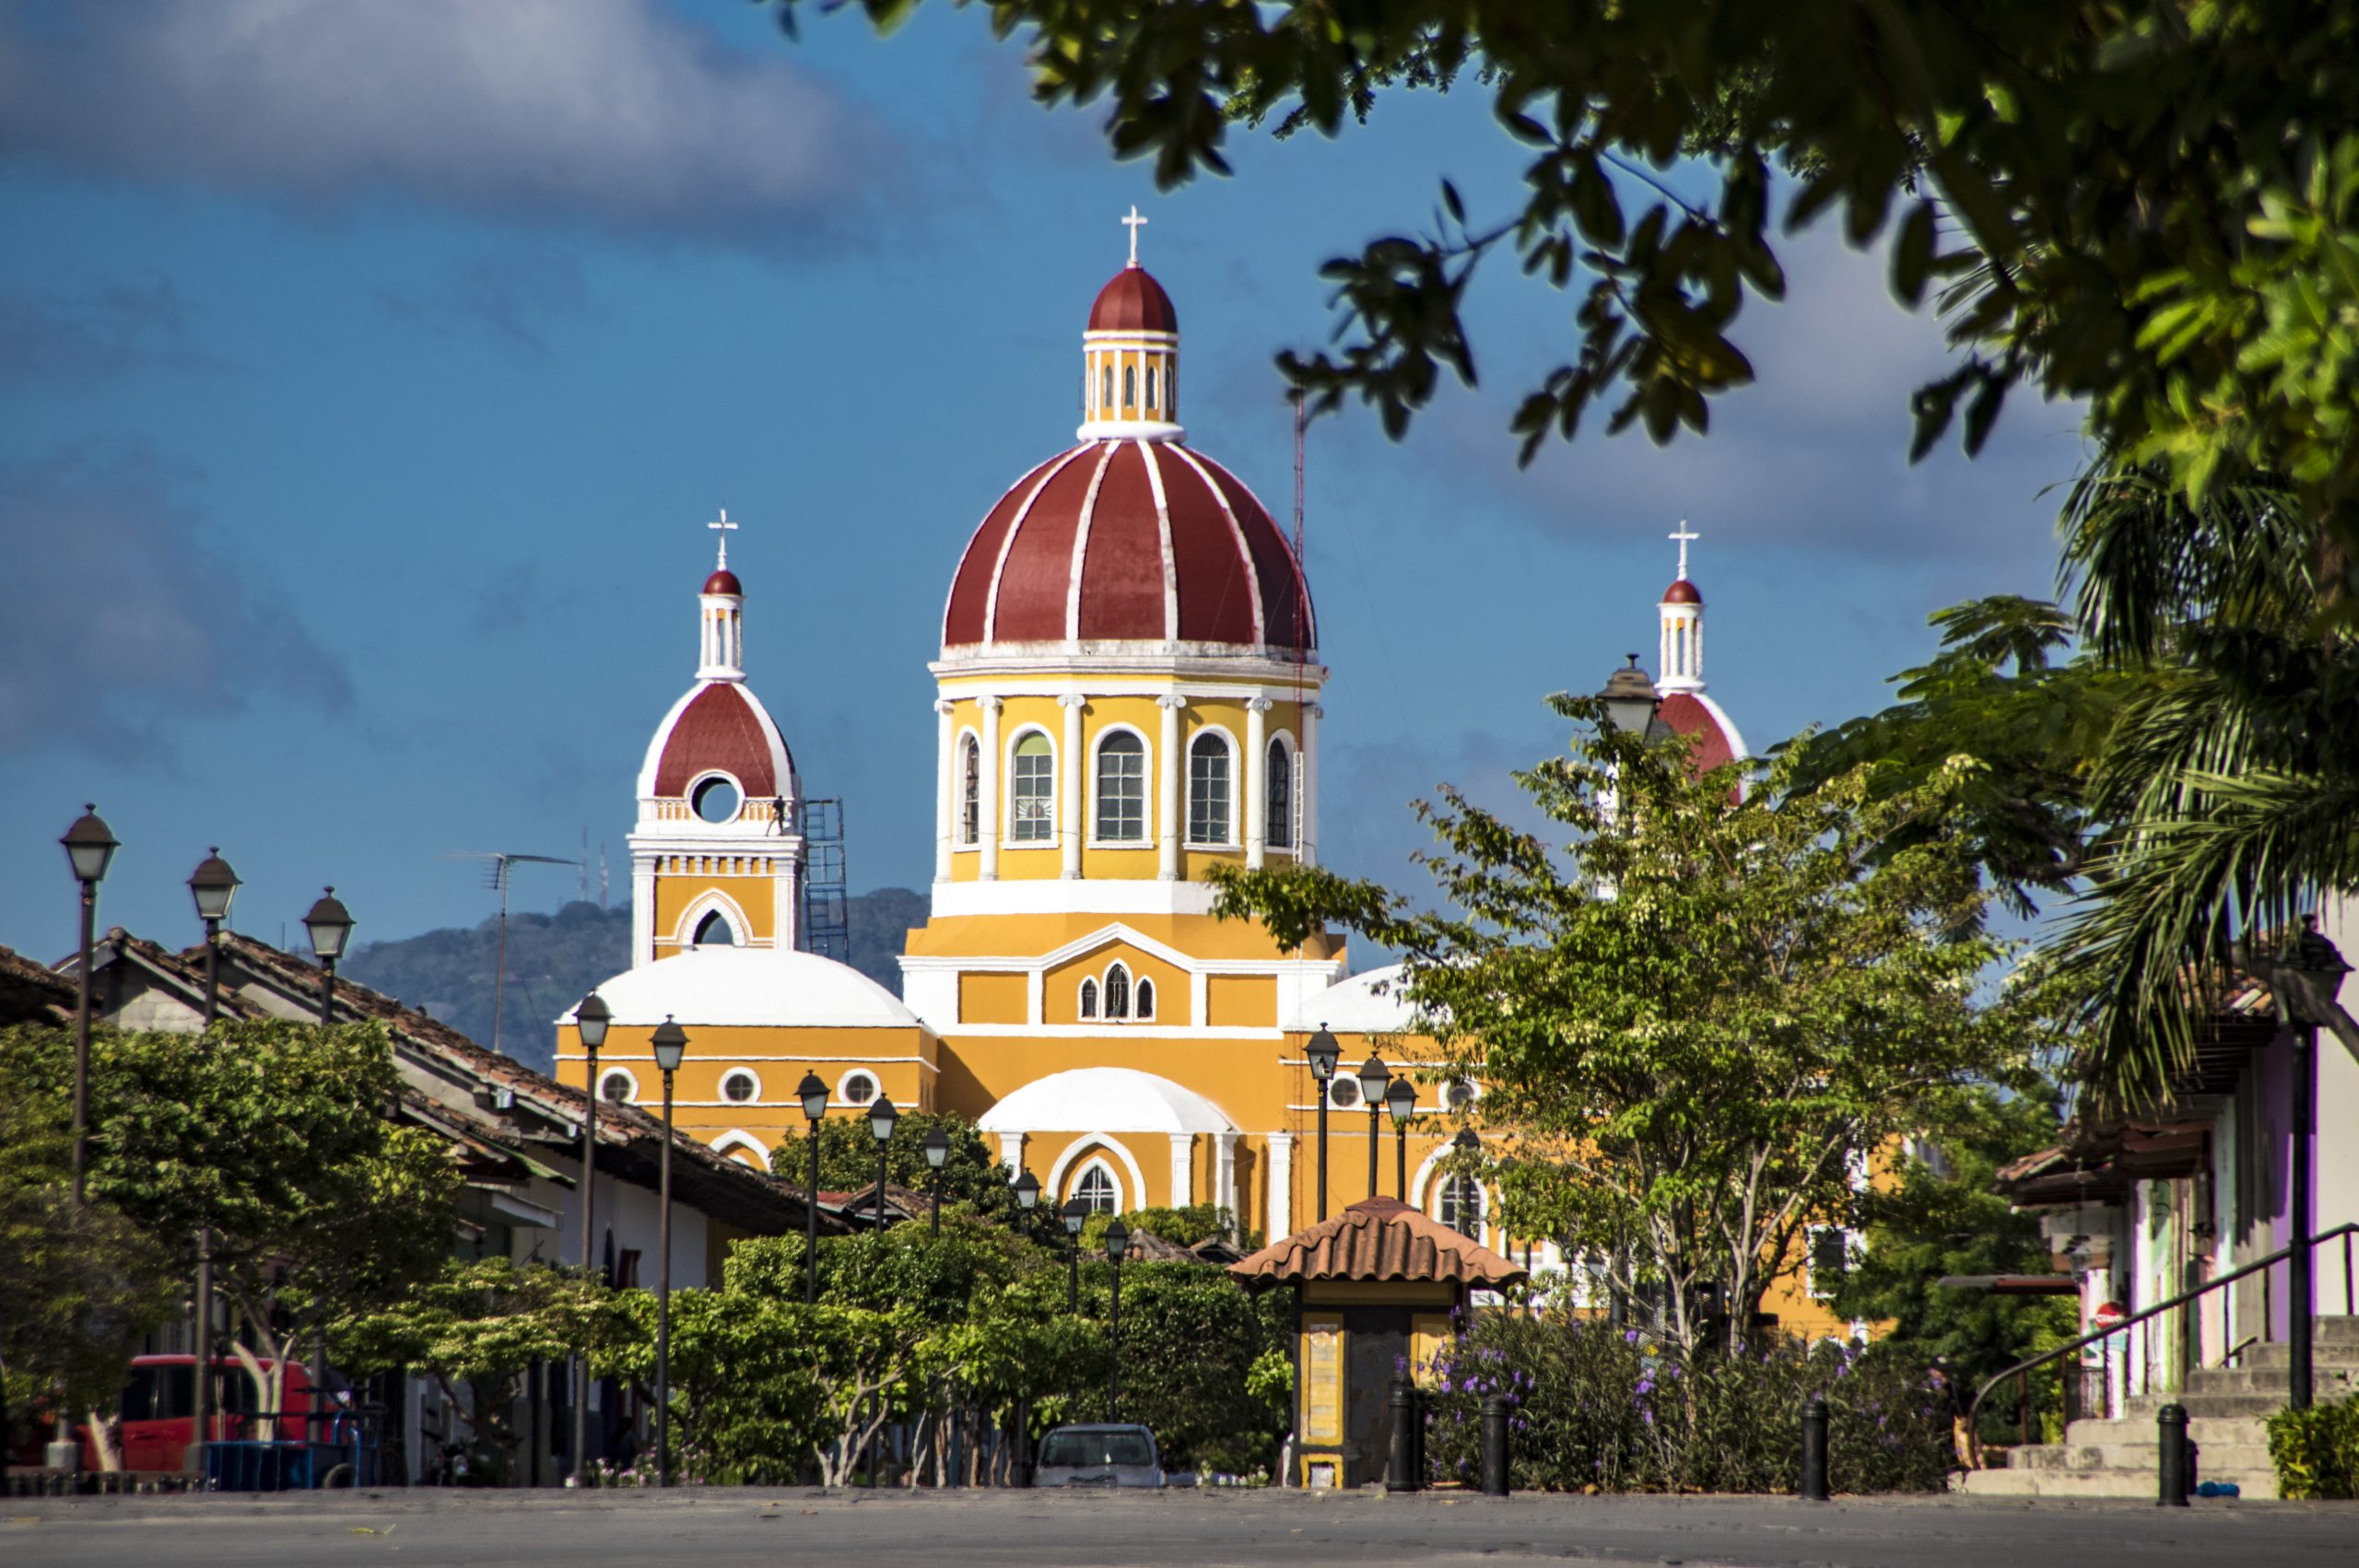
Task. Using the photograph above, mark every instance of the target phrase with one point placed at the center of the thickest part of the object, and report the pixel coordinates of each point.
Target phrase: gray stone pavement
(720, 1528)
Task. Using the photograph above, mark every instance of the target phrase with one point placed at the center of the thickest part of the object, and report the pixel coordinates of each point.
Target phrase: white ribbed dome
(1105, 1099)
(751, 986)
(1373, 1001)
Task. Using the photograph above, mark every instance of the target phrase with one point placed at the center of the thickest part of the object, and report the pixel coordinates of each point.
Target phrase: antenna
(496, 876)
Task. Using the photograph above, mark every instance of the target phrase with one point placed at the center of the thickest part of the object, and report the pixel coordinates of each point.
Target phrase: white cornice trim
(1179, 660)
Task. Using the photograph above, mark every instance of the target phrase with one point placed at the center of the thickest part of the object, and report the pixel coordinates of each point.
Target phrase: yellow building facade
(1127, 696)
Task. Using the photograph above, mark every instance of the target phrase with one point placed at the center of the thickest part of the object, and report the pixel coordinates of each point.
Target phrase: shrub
(1592, 1406)
(2317, 1451)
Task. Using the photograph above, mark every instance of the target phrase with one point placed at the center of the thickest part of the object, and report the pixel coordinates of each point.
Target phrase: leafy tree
(2149, 207)
(1945, 1218)
(1697, 1019)
(972, 1175)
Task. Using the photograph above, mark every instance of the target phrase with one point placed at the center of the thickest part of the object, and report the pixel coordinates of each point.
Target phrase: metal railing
(2021, 1372)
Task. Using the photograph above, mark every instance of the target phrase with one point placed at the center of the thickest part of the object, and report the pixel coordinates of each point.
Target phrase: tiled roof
(1377, 1238)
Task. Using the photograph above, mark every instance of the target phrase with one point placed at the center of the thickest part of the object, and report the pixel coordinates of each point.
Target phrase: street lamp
(89, 847)
(1373, 1076)
(2305, 983)
(671, 1043)
(1401, 1101)
(1118, 1241)
(1630, 699)
(812, 1092)
(1324, 1053)
(937, 1149)
(881, 1117)
(589, 1021)
(329, 924)
(213, 885)
(1076, 1215)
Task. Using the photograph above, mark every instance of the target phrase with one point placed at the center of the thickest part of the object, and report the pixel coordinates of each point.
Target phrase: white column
(1172, 825)
(1224, 1174)
(1070, 822)
(1257, 782)
(642, 911)
(987, 830)
(945, 791)
(1011, 1153)
(1308, 851)
(1279, 1221)
(1183, 1169)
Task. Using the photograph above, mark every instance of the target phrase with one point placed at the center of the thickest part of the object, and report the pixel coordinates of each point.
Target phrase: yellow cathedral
(1127, 696)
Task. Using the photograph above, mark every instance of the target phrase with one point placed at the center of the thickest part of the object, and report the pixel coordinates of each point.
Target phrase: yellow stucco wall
(754, 894)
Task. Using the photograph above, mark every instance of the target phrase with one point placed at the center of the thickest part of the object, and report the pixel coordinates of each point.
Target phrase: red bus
(158, 1412)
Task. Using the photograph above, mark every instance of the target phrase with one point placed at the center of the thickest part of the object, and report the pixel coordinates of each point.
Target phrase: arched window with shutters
(1118, 992)
(970, 790)
(1121, 789)
(1279, 796)
(1209, 796)
(1032, 790)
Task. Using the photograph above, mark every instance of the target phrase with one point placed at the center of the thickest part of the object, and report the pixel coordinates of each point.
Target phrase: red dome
(1682, 592)
(723, 581)
(1133, 301)
(723, 727)
(1130, 541)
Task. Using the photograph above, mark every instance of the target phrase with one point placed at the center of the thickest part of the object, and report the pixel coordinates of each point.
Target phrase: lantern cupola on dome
(1130, 381)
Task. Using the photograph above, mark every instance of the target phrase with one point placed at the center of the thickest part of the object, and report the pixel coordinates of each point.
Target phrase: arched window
(1280, 797)
(1208, 793)
(1461, 1205)
(1130, 386)
(970, 790)
(1146, 1000)
(1150, 386)
(1032, 815)
(1105, 399)
(1089, 999)
(1118, 992)
(617, 1087)
(1095, 1189)
(713, 931)
(1121, 789)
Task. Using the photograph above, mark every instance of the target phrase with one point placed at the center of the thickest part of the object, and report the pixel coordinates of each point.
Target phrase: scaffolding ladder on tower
(827, 922)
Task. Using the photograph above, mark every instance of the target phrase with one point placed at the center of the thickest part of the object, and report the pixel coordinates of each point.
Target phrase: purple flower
(1646, 1386)
(1630, 1337)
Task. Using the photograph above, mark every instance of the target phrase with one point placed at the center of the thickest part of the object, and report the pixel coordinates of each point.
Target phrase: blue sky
(367, 374)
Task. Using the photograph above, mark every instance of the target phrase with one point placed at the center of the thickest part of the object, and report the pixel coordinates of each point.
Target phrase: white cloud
(612, 112)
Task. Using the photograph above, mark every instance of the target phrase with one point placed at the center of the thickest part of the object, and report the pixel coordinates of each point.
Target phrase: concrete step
(2326, 1382)
(2279, 1354)
(2041, 1482)
(2145, 1407)
(2214, 1458)
(2207, 1429)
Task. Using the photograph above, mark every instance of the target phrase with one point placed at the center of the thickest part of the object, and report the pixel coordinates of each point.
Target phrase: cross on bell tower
(726, 527)
(1135, 223)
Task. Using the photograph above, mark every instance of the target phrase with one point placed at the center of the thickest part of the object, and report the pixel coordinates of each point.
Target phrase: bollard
(1814, 1449)
(1494, 1446)
(1400, 1471)
(2172, 1421)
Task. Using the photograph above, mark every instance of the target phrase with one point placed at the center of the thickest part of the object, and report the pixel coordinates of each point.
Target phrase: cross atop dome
(1135, 223)
(726, 527)
(1683, 534)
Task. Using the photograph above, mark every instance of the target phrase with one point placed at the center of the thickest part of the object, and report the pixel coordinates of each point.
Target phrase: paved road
(723, 1527)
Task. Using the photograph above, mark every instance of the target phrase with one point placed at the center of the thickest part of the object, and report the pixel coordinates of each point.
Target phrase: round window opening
(737, 1088)
(716, 800)
(859, 1089)
(618, 1089)
(1460, 1093)
(1343, 1093)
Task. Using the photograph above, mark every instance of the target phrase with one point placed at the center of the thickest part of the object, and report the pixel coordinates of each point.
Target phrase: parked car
(1099, 1456)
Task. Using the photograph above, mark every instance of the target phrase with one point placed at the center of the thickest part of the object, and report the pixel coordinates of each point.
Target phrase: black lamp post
(1401, 1101)
(881, 1117)
(213, 885)
(1373, 1076)
(1026, 1188)
(2305, 985)
(1324, 1053)
(89, 847)
(671, 1043)
(937, 1150)
(1118, 1241)
(1076, 1214)
(814, 1096)
(1630, 699)
(329, 924)
(589, 1021)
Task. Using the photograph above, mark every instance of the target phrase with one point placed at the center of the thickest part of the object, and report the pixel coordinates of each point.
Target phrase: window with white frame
(1280, 796)
(970, 790)
(1033, 790)
(1208, 790)
(714, 931)
(1089, 999)
(1461, 1205)
(1117, 991)
(1142, 999)
(1831, 1254)
(1121, 789)
(738, 1085)
(617, 1087)
(1096, 1189)
(857, 1089)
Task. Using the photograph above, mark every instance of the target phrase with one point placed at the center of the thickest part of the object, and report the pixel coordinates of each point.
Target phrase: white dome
(751, 986)
(1105, 1099)
(1371, 1002)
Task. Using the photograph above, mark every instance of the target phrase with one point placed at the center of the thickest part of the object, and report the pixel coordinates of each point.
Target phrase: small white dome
(751, 986)
(1105, 1099)
(1371, 1002)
